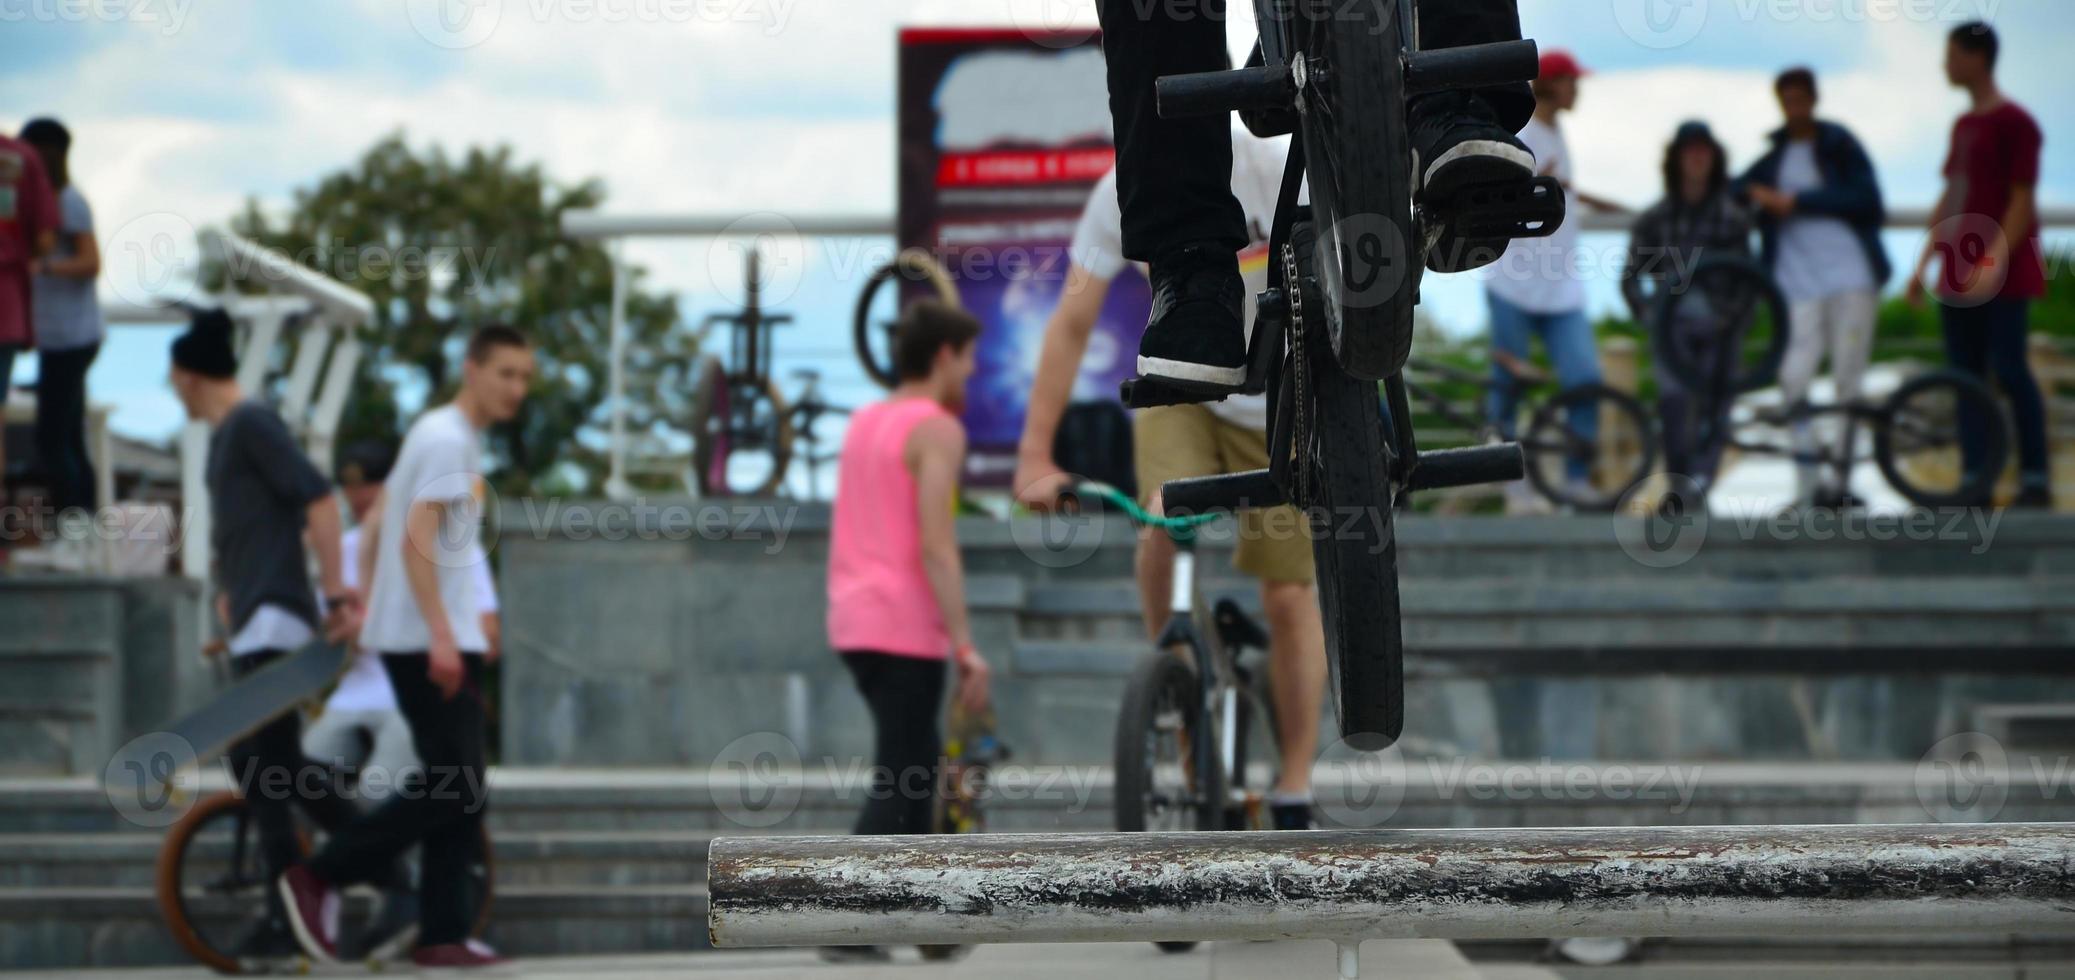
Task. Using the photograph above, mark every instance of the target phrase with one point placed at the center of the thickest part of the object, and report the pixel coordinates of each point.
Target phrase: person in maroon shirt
(28, 231)
(1986, 229)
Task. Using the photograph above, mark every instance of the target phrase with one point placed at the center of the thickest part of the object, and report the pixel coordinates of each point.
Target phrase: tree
(442, 245)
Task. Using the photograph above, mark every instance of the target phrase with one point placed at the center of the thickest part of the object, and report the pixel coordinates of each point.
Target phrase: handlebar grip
(1214, 93)
(1475, 466)
(1472, 66)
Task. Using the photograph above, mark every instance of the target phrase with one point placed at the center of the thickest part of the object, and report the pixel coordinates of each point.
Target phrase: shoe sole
(396, 947)
(1478, 161)
(1193, 377)
(311, 947)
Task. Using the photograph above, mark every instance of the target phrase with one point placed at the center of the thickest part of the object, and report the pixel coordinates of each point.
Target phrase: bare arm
(1059, 362)
(1946, 204)
(420, 542)
(371, 542)
(936, 452)
(84, 263)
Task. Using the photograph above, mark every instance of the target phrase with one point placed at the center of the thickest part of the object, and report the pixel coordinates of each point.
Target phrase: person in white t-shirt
(1196, 440)
(423, 619)
(361, 728)
(1536, 289)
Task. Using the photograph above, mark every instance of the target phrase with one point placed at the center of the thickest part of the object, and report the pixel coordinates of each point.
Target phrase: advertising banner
(1003, 134)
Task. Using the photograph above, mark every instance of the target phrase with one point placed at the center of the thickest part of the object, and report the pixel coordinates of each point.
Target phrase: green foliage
(443, 245)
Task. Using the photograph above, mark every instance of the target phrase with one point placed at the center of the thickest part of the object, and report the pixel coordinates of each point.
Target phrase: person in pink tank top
(896, 585)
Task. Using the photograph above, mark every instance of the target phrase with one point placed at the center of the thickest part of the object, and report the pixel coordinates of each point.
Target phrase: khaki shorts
(1182, 441)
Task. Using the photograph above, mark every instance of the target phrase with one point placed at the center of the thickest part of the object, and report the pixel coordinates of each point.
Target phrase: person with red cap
(1534, 290)
(1174, 175)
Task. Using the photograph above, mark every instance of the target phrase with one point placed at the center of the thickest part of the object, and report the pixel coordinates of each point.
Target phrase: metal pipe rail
(1348, 886)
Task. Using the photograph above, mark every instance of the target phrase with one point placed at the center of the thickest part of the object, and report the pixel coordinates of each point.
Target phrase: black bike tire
(708, 379)
(1966, 386)
(911, 265)
(1354, 545)
(1360, 165)
(1156, 671)
(172, 862)
(1551, 416)
(781, 447)
(1668, 351)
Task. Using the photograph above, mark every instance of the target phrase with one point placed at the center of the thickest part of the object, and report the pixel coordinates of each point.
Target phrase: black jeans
(906, 695)
(272, 775)
(440, 807)
(1989, 342)
(1695, 423)
(1174, 176)
(61, 425)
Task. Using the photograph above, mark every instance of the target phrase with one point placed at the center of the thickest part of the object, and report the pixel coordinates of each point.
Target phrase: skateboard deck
(969, 753)
(242, 708)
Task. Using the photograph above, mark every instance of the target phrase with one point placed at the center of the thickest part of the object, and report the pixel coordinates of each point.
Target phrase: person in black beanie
(263, 495)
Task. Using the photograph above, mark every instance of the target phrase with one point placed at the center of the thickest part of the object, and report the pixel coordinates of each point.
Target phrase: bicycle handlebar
(1138, 515)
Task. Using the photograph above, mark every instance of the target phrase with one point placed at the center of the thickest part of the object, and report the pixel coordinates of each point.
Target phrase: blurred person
(1174, 175)
(896, 585)
(1986, 229)
(1698, 218)
(1820, 215)
(68, 326)
(423, 619)
(29, 222)
(1182, 441)
(1535, 290)
(264, 498)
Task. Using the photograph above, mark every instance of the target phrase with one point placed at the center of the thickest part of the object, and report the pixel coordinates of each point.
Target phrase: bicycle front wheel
(1589, 447)
(212, 879)
(1942, 441)
(1358, 155)
(1353, 532)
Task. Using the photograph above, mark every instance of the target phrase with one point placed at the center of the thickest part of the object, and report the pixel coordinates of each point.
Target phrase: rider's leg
(1171, 443)
(1297, 676)
(1575, 352)
(261, 763)
(1465, 138)
(1174, 187)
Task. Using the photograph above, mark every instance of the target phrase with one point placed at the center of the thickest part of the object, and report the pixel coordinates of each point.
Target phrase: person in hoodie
(1820, 215)
(1699, 218)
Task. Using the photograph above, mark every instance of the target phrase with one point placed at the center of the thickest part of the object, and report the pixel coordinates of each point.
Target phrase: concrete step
(44, 928)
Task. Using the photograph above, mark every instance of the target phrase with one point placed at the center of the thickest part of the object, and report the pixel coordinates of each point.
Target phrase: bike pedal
(1532, 208)
(1154, 393)
(1233, 491)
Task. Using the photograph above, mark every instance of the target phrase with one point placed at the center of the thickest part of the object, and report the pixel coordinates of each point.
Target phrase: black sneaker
(1458, 142)
(854, 955)
(393, 931)
(1196, 338)
(2034, 498)
(267, 947)
(1292, 816)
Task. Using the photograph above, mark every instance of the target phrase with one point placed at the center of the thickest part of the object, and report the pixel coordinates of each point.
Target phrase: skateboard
(235, 712)
(969, 753)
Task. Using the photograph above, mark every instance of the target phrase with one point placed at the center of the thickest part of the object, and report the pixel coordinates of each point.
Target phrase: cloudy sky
(183, 108)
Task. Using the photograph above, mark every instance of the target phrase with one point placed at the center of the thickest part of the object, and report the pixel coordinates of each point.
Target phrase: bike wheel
(1919, 446)
(1727, 307)
(742, 435)
(1353, 533)
(1254, 754)
(211, 878)
(1358, 155)
(1158, 786)
(873, 334)
(1588, 447)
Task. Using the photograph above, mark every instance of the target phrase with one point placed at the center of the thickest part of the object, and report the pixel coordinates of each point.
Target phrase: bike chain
(1300, 356)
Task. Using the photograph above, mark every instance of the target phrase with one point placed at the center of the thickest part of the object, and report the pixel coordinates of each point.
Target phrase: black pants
(271, 773)
(1989, 342)
(1695, 423)
(906, 696)
(1174, 176)
(440, 807)
(61, 425)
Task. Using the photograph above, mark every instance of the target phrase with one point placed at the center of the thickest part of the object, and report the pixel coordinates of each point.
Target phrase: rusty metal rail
(1348, 886)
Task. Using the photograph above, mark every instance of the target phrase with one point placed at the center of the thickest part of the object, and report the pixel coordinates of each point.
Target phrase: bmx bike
(743, 425)
(211, 880)
(1336, 317)
(1197, 727)
(1918, 440)
(1590, 428)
